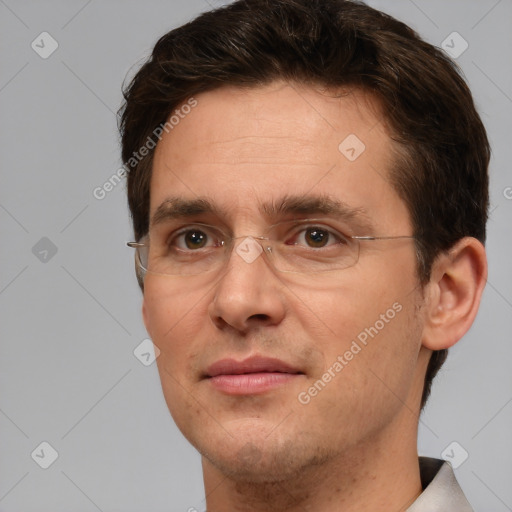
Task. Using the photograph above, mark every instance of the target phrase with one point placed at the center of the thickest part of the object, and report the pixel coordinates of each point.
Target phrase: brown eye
(199, 238)
(316, 237)
(195, 239)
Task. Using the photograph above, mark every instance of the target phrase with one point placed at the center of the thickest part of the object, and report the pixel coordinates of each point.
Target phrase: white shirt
(441, 492)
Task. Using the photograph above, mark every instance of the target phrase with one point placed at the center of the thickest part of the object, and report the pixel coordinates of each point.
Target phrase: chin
(264, 461)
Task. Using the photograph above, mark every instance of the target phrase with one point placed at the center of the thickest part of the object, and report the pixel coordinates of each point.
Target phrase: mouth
(254, 375)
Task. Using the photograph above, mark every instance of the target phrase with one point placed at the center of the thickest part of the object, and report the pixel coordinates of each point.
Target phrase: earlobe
(453, 294)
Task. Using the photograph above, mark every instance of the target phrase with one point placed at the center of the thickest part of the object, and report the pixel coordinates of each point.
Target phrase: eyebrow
(174, 208)
(179, 208)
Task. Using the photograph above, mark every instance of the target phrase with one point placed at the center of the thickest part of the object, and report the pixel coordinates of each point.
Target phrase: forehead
(240, 147)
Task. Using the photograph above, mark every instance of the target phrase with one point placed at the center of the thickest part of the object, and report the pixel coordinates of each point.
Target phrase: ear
(453, 293)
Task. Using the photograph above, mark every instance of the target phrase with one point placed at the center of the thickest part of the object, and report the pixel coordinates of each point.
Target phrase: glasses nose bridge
(255, 237)
(249, 248)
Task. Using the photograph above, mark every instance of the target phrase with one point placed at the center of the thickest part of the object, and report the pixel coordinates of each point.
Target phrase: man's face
(245, 151)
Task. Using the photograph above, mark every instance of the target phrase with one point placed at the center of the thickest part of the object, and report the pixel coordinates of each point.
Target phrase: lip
(254, 375)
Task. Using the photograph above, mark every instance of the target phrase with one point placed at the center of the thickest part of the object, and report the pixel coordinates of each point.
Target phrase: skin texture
(353, 446)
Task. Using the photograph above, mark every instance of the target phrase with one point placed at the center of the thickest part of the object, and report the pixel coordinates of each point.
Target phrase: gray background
(71, 320)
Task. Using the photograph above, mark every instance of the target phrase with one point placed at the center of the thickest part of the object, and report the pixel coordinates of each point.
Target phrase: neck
(380, 474)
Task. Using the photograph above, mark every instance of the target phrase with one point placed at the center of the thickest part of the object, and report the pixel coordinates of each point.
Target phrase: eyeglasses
(305, 246)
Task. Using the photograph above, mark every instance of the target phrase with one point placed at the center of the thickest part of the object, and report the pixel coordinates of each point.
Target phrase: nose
(249, 293)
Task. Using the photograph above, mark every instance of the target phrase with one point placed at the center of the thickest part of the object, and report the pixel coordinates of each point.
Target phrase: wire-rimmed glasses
(306, 246)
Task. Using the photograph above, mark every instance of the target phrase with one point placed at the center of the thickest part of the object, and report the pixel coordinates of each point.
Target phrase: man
(309, 240)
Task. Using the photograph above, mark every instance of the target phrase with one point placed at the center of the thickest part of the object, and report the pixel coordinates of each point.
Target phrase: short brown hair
(442, 172)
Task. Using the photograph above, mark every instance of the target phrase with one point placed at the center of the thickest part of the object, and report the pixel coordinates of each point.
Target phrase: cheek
(379, 361)
(392, 364)
(338, 310)
(369, 320)
(174, 315)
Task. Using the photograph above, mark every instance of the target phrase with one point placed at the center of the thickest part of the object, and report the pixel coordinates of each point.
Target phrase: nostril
(260, 317)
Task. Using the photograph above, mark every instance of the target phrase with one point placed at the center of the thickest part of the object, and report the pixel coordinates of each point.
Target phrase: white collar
(441, 490)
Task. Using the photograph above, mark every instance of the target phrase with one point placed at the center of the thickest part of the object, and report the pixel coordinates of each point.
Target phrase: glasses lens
(305, 247)
(310, 248)
(192, 250)
(142, 256)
